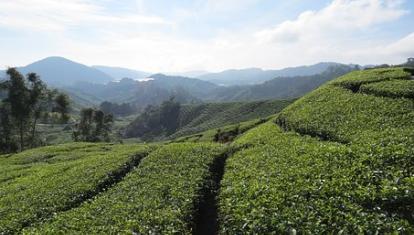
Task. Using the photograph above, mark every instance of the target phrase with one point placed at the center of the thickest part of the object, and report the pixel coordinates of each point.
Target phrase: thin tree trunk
(21, 136)
(33, 131)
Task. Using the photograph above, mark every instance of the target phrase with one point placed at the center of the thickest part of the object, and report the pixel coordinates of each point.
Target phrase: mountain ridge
(119, 73)
(251, 76)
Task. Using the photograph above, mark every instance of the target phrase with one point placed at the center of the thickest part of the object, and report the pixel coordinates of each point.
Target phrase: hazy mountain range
(91, 85)
(118, 73)
(251, 76)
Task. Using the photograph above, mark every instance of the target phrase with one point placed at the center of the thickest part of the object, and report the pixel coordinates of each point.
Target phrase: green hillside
(337, 161)
(201, 117)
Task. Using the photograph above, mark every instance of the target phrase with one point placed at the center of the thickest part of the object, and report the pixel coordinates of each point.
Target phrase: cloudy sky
(213, 35)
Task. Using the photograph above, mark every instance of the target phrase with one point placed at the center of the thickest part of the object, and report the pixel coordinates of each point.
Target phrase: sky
(210, 35)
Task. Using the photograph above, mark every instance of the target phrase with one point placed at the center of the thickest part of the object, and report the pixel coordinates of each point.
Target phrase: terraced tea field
(338, 161)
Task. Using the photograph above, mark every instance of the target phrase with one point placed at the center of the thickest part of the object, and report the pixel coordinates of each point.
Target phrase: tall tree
(26, 101)
(19, 99)
(62, 107)
(169, 115)
(94, 126)
(7, 144)
(37, 93)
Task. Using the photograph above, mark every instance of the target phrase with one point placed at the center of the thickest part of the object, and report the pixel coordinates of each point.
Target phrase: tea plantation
(339, 160)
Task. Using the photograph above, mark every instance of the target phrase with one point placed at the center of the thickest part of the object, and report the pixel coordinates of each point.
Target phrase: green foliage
(198, 118)
(337, 161)
(223, 134)
(27, 101)
(394, 89)
(285, 183)
(121, 110)
(158, 197)
(339, 114)
(155, 121)
(7, 144)
(37, 183)
(355, 79)
(169, 114)
(94, 126)
(62, 107)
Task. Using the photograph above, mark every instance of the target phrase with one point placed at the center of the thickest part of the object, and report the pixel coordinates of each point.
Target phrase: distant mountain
(191, 74)
(58, 71)
(142, 93)
(255, 75)
(280, 87)
(89, 86)
(119, 73)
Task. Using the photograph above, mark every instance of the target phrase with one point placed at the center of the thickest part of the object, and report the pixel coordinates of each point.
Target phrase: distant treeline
(121, 110)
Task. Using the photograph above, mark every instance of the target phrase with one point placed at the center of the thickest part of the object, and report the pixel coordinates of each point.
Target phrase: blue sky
(213, 35)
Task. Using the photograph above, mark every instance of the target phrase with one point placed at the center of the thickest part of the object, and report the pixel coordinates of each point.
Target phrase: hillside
(337, 161)
(193, 119)
(195, 87)
(251, 76)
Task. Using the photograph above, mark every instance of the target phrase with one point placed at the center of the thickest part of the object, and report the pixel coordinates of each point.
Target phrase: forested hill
(171, 120)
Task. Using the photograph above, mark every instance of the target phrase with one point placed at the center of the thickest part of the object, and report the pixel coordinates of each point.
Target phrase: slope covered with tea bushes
(37, 183)
(338, 160)
(159, 197)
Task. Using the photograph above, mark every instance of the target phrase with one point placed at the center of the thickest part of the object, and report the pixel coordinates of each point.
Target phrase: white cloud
(53, 15)
(341, 32)
(404, 46)
(341, 17)
(344, 31)
(228, 5)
